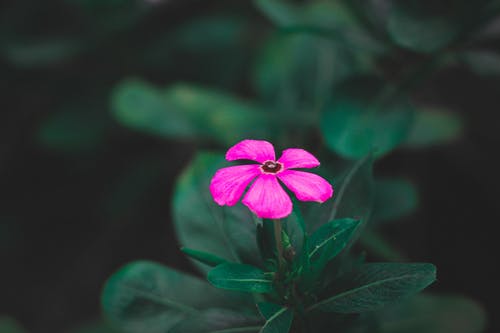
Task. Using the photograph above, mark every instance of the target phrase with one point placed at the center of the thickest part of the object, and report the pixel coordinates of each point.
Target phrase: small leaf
(330, 239)
(394, 198)
(414, 28)
(357, 121)
(204, 257)
(376, 285)
(278, 319)
(434, 314)
(434, 127)
(218, 321)
(240, 277)
(148, 297)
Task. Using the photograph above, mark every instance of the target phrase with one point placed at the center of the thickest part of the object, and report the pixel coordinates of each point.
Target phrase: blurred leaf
(278, 319)
(377, 246)
(147, 297)
(203, 257)
(240, 277)
(353, 197)
(9, 325)
(318, 14)
(482, 62)
(218, 321)
(433, 127)
(40, 53)
(188, 112)
(394, 198)
(434, 314)
(376, 285)
(74, 129)
(358, 120)
(299, 69)
(414, 26)
(201, 224)
(326, 242)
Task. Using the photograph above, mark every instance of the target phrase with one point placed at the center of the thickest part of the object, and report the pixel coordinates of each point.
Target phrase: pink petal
(306, 186)
(267, 199)
(255, 150)
(228, 184)
(298, 158)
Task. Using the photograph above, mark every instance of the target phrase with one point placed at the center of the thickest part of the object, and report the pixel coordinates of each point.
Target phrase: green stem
(279, 244)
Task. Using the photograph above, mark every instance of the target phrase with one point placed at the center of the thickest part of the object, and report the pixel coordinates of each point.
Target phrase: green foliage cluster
(335, 76)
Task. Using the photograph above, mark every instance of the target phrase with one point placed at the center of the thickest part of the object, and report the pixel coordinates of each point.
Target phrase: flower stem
(279, 244)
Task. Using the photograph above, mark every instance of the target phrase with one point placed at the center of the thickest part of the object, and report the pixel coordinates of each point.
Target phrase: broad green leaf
(10, 325)
(482, 62)
(376, 285)
(326, 242)
(434, 314)
(418, 29)
(188, 112)
(278, 319)
(394, 198)
(359, 119)
(218, 321)
(240, 277)
(202, 225)
(203, 257)
(377, 246)
(147, 297)
(433, 127)
(287, 71)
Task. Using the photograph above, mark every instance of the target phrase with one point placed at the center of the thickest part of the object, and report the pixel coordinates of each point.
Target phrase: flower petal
(255, 150)
(306, 186)
(228, 184)
(267, 199)
(298, 158)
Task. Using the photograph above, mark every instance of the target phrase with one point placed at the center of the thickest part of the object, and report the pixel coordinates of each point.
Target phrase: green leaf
(353, 197)
(95, 327)
(376, 285)
(287, 71)
(394, 198)
(359, 120)
(434, 314)
(188, 112)
(482, 62)
(203, 257)
(10, 325)
(147, 297)
(218, 321)
(240, 277)
(434, 127)
(202, 225)
(278, 319)
(326, 242)
(413, 26)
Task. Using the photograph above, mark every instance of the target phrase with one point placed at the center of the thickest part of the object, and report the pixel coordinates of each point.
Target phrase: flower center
(271, 167)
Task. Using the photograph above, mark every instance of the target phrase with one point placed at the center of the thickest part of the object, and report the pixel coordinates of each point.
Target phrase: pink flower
(265, 197)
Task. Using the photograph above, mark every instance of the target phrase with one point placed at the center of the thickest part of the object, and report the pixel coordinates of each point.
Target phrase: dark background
(69, 218)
